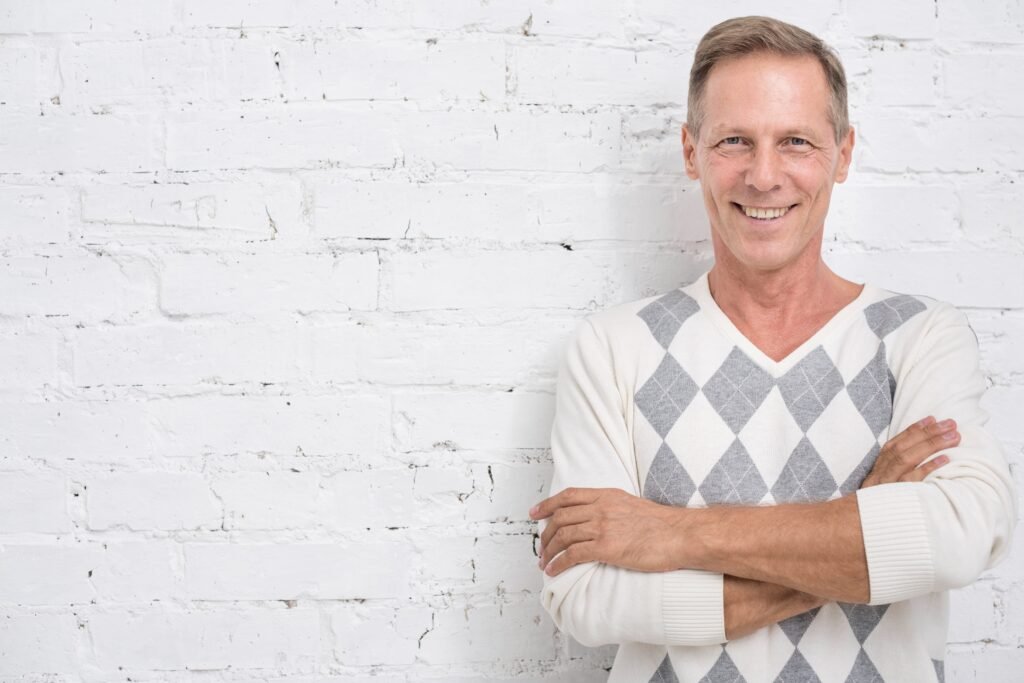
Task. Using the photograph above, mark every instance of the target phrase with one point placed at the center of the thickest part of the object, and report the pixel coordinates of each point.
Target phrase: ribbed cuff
(693, 607)
(899, 553)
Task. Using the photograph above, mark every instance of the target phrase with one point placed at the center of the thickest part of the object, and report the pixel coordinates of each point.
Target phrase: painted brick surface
(285, 285)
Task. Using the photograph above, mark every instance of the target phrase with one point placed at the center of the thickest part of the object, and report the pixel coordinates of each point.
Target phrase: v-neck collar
(701, 292)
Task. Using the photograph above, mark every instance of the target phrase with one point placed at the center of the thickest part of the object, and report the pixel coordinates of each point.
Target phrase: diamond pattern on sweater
(665, 673)
(888, 314)
(863, 618)
(666, 314)
(856, 477)
(664, 397)
(737, 389)
(864, 670)
(805, 478)
(724, 671)
(810, 386)
(872, 391)
(667, 481)
(796, 626)
(797, 670)
(734, 479)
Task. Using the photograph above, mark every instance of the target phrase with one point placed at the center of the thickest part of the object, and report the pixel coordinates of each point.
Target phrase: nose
(765, 170)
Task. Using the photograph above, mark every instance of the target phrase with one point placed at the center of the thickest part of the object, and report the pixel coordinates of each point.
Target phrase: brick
(489, 633)
(665, 18)
(28, 74)
(1000, 336)
(599, 75)
(894, 216)
(34, 502)
(206, 640)
(359, 14)
(990, 21)
(896, 145)
(1003, 406)
(243, 209)
(289, 425)
(901, 77)
(61, 142)
(444, 70)
(913, 19)
(59, 431)
(607, 208)
(962, 86)
(975, 610)
(134, 572)
(80, 288)
(411, 352)
(152, 500)
(47, 574)
(507, 491)
(184, 354)
(34, 215)
(30, 358)
(369, 635)
(989, 214)
(270, 500)
(507, 564)
(549, 278)
(341, 570)
(172, 70)
(38, 644)
(995, 279)
(475, 420)
(194, 284)
(58, 16)
(372, 499)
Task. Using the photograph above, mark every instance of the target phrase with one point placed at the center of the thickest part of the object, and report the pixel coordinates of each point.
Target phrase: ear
(845, 156)
(690, 154)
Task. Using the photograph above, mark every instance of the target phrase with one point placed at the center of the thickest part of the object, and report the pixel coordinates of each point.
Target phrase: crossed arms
(703, 576)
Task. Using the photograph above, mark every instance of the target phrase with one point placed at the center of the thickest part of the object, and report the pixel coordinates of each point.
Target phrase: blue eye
(733, 140)
(798, 141)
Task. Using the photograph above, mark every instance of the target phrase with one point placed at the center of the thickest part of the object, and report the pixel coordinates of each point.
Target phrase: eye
(798, 142)
(732, 140)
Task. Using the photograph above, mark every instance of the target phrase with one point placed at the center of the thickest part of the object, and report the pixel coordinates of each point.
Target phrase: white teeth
(756, 212)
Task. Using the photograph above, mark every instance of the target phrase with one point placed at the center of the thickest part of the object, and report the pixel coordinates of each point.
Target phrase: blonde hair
(750, 35)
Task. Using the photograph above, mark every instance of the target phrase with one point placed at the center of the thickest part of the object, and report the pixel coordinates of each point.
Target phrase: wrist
(685, 541)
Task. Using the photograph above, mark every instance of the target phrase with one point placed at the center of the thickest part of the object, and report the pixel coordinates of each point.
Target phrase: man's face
(766, 159)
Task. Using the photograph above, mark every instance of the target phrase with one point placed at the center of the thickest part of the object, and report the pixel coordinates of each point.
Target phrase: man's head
(769, 143)
(749, 35)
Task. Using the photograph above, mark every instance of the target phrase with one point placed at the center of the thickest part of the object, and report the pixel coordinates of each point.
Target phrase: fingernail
(926, 421)
(534, 509)
(950, 436)
(540, 563)
(942, 460)
(946, 424)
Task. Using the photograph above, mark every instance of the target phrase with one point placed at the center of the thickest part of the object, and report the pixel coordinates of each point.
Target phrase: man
(742, 483)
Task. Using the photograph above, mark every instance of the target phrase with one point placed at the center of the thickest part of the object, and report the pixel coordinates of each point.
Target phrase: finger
(910, 432)
(570, 496)
(577, 553)
(927, 448)
(913, 437)
(566, 537)
(576, 514)
(919, 473)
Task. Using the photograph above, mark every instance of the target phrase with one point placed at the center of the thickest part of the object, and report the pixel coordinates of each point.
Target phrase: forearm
(751, 605)
(814, 548)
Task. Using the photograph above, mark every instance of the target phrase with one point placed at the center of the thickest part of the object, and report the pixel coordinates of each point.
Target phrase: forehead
(765, 88)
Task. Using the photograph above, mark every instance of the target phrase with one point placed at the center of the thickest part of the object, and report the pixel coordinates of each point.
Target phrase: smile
(764, 212)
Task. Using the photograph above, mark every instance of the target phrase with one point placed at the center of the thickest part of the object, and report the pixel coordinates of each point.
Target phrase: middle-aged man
(741, 474)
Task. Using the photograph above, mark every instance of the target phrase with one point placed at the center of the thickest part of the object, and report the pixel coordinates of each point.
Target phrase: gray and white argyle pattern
(765, 459)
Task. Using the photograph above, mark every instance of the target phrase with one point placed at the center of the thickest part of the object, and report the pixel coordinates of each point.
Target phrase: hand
(900, 456)
(607, 525)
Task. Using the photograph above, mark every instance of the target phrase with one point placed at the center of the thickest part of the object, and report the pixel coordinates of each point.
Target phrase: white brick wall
(283, 286)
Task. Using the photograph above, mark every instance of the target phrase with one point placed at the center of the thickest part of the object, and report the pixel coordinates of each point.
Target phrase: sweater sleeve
(591, 446)
(943, 532)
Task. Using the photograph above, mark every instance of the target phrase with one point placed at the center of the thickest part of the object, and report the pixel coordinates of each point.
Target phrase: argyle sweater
(666, 399)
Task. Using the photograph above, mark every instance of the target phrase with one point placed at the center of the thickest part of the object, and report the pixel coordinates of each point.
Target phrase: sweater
(666, 399)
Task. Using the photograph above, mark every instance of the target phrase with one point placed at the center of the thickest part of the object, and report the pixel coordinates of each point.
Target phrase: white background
(283, 286)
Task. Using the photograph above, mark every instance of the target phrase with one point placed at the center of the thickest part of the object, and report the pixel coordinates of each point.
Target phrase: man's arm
(751, 605)
(885, 543)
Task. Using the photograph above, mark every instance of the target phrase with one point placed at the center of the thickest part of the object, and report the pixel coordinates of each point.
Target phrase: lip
(762, 221)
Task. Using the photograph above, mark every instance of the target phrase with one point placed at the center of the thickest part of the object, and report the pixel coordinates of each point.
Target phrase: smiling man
(772, 473)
